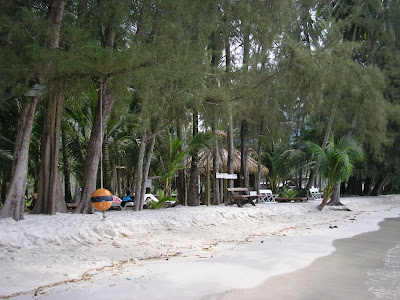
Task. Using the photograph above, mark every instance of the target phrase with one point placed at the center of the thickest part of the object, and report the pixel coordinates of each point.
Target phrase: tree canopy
(270, 74)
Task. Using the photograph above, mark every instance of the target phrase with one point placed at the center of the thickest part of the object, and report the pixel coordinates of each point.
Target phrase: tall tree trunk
(227, 33)
(259, 151)
(101, 117)
(181, 184)
(230, 166)
(216, 161)
(55, 13)
(118, 171)
(193, 192)
(139, 171)
(50, 197)
(67, 171)
(107, 165)
(15, 201)
(94, 148)
(146, 167)
(244, 169)
(215, 61)
(244, 127)
(228, 61)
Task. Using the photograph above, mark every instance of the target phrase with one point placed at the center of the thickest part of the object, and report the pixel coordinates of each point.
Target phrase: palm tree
(282, 162)
(336, 162)
(171, 157)
(170, 161)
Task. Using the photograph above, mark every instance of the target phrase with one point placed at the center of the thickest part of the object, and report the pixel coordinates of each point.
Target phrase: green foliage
(161, 202)
(337, 161)
(308, 60)
(282, 162)
(170, 157)
(288, 193)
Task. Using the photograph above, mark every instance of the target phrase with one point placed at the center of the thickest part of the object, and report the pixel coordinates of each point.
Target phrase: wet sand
(340, 275)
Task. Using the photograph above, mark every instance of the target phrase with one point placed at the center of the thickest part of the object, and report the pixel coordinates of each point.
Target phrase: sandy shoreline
(344, 274)
(217, 248)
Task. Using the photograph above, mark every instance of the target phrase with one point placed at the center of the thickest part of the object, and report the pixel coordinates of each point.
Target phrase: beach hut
(206, 164)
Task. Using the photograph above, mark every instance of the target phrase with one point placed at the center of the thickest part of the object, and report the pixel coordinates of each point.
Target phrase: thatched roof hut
(206, 157)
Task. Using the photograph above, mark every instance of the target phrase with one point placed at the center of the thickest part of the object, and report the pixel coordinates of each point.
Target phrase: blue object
(126, 198)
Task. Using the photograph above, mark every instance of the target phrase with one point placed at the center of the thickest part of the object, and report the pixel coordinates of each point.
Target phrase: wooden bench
(240, 196)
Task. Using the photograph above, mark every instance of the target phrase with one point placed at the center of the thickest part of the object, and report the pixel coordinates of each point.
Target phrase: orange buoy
(101, 199)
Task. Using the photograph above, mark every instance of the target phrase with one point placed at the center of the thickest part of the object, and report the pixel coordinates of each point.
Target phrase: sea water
(384, 283)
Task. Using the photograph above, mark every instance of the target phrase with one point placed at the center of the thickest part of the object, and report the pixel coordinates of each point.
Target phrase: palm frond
(6, 154)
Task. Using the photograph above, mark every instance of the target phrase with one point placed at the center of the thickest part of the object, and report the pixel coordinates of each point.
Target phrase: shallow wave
(384, 282)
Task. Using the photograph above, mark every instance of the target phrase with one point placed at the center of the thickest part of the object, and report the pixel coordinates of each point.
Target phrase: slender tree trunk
(118, 171)
(367, 186)
(67, 171)
(259, 151)
(244, 128)
(94, 148)
(228, 60)
(244, 170)
(216, 162)
(328, 192)
(391, 189)
(15, 201)
(227, 25)
(335, 199)
(311, 179)
(193, 192)
(181, 185)
(377, 190)
(107, 165)
(230, 166)
(142, 168)
(146, 167)
(102, 115)
(215, 61)
(139, 171)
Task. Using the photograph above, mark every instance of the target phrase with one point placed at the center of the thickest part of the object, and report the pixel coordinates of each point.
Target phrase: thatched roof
(206, 156)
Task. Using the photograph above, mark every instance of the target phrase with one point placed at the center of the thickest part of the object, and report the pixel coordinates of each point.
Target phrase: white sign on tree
(226, 176)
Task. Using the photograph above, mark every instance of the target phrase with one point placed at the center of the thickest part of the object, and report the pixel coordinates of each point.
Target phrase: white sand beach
(174, 253)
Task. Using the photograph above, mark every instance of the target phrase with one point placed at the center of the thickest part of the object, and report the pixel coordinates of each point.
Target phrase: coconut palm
(170, 157)
(282, 162)
(336, 162)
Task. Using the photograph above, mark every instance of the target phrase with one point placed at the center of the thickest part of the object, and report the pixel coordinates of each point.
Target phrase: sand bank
(178, 253)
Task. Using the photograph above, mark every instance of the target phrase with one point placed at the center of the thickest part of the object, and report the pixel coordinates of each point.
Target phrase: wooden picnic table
(242, 197)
